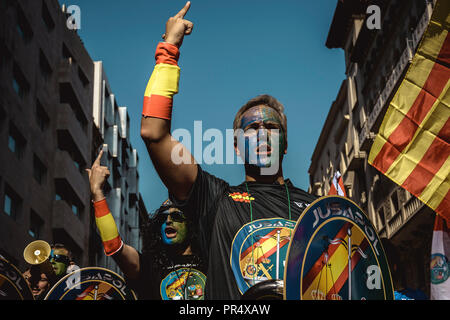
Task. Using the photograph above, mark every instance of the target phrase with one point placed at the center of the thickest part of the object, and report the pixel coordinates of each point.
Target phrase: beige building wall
(375, 61)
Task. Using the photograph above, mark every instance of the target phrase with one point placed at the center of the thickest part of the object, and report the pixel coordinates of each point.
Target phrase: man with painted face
(60, 259)
(169, 268)
(244, 229)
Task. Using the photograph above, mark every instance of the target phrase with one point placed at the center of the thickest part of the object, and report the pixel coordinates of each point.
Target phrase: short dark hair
(61, 246)
(266, 100)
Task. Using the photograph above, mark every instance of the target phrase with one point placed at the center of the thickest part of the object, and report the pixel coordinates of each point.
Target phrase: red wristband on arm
(163, 84)
(112, 242)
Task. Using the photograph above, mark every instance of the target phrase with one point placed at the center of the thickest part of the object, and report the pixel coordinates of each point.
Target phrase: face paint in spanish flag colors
(412, 146)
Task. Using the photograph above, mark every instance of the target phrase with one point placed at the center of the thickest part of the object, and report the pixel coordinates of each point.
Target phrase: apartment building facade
(375, 62)
(49, 135)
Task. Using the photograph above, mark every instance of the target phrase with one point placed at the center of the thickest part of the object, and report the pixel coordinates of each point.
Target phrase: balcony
(70, 131)
(65, 223)
(65, 170)
(367, 131)
(408, 207)
(355, 159)
(69, 74)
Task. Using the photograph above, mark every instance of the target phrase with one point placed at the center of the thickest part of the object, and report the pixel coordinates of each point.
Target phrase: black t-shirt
(169, 278)
(244, 244)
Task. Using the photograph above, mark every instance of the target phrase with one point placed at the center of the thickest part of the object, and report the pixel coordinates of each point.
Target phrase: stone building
(376, 60)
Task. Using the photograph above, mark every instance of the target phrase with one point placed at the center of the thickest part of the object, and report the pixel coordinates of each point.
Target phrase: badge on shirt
(183, 284)
(258, 251)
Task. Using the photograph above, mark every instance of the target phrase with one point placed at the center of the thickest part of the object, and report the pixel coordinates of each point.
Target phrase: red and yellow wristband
(163, 83)
(112, 242)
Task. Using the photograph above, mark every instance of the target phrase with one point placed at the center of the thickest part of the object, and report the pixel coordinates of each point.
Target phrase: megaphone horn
(37, 252)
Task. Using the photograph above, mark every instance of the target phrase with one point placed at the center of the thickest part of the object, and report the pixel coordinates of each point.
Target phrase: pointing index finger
(97, 161)
(183, 11)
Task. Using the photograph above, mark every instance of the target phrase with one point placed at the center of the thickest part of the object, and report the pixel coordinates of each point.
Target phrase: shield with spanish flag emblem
(335, 254)
(13, 285)
(91, 284)
(259, 251)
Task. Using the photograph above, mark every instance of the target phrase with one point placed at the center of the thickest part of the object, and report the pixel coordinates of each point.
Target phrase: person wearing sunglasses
(169, 266)
(60, 258)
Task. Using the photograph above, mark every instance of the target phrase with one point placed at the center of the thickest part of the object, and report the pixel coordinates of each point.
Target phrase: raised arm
(126, 257)
(157, 112)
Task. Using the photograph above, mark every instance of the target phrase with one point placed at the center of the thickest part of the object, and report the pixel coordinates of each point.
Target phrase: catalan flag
(412, 145)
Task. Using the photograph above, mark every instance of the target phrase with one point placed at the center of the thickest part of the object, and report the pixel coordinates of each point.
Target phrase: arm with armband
(125, 256)
(178, 176)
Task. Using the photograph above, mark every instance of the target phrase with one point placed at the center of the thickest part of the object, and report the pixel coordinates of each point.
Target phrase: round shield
(13, 285)
(91, 284)
(336, 254)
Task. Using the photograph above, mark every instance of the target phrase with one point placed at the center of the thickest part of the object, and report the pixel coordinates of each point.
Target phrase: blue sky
(238, 50)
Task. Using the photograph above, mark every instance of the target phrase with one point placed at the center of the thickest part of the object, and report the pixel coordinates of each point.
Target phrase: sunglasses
(59, 258)
(177, 216)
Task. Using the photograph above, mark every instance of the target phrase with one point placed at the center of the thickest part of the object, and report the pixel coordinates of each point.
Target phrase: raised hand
(177, 27)
(97, 177)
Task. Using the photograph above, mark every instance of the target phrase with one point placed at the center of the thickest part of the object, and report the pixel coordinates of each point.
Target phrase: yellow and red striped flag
(412, 145)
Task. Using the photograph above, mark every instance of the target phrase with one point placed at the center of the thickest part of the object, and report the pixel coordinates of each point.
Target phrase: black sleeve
(201, 203)
(144, 284)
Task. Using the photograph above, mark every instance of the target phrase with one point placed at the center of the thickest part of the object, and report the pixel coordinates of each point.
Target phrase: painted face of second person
(174, 230)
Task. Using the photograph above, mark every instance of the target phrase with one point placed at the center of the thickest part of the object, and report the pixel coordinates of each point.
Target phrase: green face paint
(60, 261)
(174, 230)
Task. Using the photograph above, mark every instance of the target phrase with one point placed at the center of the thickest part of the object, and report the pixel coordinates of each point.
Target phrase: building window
(12, 143)
(67, 95)
(36, 225)
(42, 118)
(5, 55)
(16, 143)
(46, 69)
(75, 210)
(84, 80)
(65, 193)
(76, 207)
(2, 116)
(12, 203)
(39, 170)
(19, 83)
(395, 203)
(23, 27)
(47, 18)
(66, 54)
(381, 216)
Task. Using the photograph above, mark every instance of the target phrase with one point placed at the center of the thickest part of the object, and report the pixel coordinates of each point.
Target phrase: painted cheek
(163, 234)
(181, 233)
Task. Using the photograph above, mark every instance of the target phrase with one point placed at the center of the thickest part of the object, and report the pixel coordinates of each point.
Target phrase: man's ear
(236, 149)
